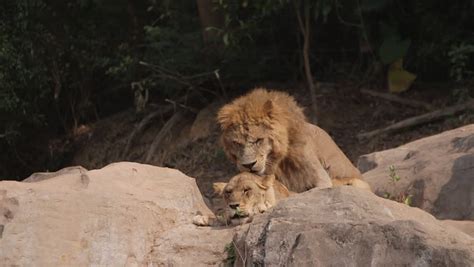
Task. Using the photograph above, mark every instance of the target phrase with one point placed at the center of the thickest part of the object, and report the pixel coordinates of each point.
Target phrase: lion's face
(249, 147)
(255, 132)
(244, 195)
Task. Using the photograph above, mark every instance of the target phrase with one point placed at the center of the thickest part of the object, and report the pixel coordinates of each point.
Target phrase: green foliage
(22, 76)
(404, 198)
(424, 31)
(460, 56)
(392, 47)
(231, 254)
(408, 200)
(57, 56)
(64, 63)
(394, 177)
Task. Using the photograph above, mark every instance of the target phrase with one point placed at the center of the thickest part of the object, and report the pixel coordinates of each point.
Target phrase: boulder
(125, 214)
(436, 172)
(347, 226)
(40, 176)
(465, 226)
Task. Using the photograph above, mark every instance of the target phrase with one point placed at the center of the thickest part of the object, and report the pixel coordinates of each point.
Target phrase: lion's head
(250, 146)
(255, 129)
(244, 195)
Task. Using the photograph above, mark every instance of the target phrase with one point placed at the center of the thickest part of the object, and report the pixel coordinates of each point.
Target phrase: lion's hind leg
(356, 182)
(361, 184)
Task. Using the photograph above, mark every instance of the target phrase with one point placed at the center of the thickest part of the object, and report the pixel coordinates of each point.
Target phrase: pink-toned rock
(126, 214)
(465, 226)
(437, 171)
(346, 226)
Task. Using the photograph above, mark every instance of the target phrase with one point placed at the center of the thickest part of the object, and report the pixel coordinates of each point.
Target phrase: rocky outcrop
(436, 172)
(346, 226)
(465, 226)
(40, 176)
(125, 214)
(129, 214)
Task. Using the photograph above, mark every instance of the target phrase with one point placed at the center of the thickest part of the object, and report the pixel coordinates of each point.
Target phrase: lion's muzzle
(249, 165)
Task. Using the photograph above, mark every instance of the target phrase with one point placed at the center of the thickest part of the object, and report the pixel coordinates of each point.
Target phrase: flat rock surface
(126, 214)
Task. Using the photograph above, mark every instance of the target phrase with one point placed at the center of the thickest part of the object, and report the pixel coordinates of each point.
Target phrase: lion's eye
(236, 143)
(257, 141)
(246, 190)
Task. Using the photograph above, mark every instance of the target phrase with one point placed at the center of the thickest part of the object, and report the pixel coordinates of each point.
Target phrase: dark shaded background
(69, 67)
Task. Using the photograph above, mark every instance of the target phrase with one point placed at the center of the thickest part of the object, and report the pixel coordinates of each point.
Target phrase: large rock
(465, 226)
(437, 171)
(125, 214)
(346, 226)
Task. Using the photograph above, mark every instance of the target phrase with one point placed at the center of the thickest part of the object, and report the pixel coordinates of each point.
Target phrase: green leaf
(373, 5)
(398, 79)
(225, 38)
(391, 168)
(393, 48)
(408, 200)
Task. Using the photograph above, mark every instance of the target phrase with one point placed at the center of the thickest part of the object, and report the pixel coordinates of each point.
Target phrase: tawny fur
(245, 195)
(269, 130)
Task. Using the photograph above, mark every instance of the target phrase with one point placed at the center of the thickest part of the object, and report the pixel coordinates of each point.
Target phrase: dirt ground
(192, 145)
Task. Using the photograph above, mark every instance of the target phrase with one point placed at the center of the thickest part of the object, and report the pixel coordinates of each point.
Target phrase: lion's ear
(268, 180)
(271, 110)
(225, 116)
(261, 185)
(268, 108)
(218, 188)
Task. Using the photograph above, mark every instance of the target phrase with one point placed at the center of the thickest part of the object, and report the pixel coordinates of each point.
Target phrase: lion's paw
(201, 220)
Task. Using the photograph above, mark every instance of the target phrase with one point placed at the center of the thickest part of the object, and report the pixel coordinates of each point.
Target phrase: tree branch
(417, 120)
(162, 134)
(397, 99)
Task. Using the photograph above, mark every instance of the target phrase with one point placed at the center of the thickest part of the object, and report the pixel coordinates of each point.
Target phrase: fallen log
(397, 99)
(421, 119)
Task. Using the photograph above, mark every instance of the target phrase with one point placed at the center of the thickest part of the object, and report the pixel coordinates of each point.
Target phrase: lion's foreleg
(323, 180)
(204, 220)
(211, 220)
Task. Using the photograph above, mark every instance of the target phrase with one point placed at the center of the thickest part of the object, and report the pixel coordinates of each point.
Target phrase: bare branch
(162, 134)
(397, 99)
(417, 120)
(193, 110)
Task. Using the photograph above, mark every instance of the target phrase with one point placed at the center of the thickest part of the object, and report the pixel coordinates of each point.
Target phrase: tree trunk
(305, 29)
(210, 18)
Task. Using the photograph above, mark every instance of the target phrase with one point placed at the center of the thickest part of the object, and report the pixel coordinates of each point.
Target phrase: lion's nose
(234, 206)
(249, 165)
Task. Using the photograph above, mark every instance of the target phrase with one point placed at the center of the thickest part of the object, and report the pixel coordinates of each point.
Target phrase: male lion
(245, 195)
(266, 132)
